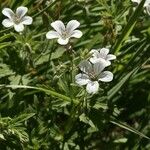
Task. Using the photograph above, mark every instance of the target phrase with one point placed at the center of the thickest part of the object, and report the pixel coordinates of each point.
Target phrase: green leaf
(129, 27)
(127, 127)
(5, 70)
(96, 38)
(2, 137)
(121, 140)
(22, 118)
(47, 91)
(86, 120)
(4, 44)
(59, 52)
(118, 86)
(6, 36)
(15, 80)
(42, 59)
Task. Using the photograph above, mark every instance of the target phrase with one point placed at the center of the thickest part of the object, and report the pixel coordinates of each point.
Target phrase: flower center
(64, 34)
(93, 76)
(16, 19)
(103, 56)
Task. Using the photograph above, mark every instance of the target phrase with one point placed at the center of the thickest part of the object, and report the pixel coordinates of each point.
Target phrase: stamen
(64, 34)
(16, 19)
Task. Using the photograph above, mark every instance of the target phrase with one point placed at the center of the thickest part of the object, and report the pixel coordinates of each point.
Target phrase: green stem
(50, 5)
(47, 91)
(3, 31)
(72, 118)
(128, 28)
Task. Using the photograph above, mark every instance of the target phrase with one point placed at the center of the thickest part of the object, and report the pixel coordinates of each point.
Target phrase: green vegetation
(42, 107)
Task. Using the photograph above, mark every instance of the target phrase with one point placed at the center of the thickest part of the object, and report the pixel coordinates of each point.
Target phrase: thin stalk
(50, 5)
(47, 91)
(128, 28)
(73, 118)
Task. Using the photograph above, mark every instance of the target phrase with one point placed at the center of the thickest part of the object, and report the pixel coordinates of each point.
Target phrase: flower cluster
(62, 33)
(18, 20)
(92, 71)
(146, 5)
(102, 54)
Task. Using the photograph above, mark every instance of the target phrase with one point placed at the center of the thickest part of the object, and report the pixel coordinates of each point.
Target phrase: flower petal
(85, 66)
(95, 56)
(52, 35)
(8, 12)
(94, 60)
(100, 60)
(82, 79)
(136, 1)
(27, 20)
(104, 52)
(110, 57)
(148, 9)
(76, 34)
(72, 25)
(58, 26)
(63, 41)
(147, 3)
(19, 27)
(7, 23)
(92, 87)
(21, 11)
(106, 76)
(99, 66)
(94, 52)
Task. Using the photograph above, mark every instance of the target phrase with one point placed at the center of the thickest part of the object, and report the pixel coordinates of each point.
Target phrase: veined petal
(8, 12)
(92, 87)
(85, 66)
(148, 9)
(94, 60)
(52, 35)
(106, 76)
(104, 52)
(147, 3)
(110, 57)
(136, 1)
(58, 26)
(82, 79)
(7, 23)
(27, 20)
(72, 25)
(63, 41)
(21, 11)
(100, 60)
(76, 34)
(108, 63)
(99, 66)
(94, 52)
(19, 27)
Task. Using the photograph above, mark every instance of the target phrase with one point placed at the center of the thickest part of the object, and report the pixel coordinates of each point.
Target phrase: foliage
(42, 107)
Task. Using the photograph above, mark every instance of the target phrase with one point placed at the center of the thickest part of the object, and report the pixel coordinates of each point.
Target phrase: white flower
(146, 5)
(64, 33)
(18, 19)
(148, 9)
(91, 74)
(100, 55)
(147, 2)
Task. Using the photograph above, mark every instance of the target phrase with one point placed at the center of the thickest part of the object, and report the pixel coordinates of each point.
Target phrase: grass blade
(128, 28)
(127, 127)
